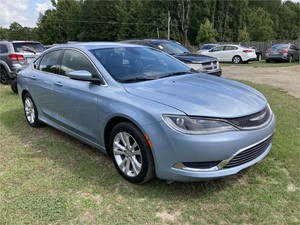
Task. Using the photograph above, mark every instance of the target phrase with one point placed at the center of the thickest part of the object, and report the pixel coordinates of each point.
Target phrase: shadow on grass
(87, 166)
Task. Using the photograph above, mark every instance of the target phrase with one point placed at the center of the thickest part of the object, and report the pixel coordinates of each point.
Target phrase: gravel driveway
(287, 78)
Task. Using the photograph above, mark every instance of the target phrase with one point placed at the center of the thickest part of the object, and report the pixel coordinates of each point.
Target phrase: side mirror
(83, 75)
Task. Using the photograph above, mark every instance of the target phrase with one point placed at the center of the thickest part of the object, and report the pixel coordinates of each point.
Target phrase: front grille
(210, 65)
(248, 154)
(253, 120)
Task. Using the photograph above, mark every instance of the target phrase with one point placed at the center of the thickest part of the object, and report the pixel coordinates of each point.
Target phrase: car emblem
(258, 117)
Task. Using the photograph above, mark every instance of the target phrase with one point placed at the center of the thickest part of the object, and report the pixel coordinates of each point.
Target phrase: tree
(16, 31)
(260, 25)
(206, 33)
(244, 35)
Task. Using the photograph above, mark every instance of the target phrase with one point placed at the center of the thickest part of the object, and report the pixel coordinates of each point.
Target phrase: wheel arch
(237, 56)
(112, 122)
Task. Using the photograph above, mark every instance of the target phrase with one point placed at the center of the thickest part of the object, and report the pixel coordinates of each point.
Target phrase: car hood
(201, 95)
(190, 58)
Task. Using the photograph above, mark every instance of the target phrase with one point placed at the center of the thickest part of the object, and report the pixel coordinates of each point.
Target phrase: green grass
(262, 63)
(47, 177)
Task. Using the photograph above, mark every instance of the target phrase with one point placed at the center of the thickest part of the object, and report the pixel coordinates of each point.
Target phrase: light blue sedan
(150, 112)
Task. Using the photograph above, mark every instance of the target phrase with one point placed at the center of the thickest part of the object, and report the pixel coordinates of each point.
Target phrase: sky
(26, 12)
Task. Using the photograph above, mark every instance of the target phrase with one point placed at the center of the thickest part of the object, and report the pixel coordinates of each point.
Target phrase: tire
(290, 59)
(259, 58)
(268, 60)
(131, 153)
(237, 59)
(13, 86)
(30, 111)
(4, 78)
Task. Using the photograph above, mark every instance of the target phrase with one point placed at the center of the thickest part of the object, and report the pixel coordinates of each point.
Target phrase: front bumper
(171, 149)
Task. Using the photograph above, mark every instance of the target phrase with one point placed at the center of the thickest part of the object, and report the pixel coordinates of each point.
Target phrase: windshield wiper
(28, 50)
(175, 74)
(136, 79)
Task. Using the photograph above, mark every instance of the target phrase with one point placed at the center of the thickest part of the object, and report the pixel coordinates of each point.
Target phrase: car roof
(94, 45)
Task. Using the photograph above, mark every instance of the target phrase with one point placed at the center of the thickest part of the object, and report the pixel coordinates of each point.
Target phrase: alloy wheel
(127, 154)
(29, 110)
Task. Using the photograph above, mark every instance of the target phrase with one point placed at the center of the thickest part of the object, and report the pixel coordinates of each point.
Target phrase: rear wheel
(131, 153)
(268, 60)
(259, 58)
(236, 59)
(13, 86)
(30, 111)
(4, 78)
(290, 59)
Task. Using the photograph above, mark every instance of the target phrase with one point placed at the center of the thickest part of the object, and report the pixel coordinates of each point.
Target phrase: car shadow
(94, 168)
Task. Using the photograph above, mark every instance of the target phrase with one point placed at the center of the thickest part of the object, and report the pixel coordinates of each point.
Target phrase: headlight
(195, 66)
(193, 125)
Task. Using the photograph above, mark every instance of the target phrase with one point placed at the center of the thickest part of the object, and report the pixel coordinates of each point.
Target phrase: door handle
(58, 83)
(33, 77)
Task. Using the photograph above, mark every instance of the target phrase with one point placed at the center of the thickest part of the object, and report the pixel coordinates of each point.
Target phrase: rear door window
(50, 61)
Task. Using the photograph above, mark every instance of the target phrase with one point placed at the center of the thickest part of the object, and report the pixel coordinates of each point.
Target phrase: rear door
(229, 52)
(40, 82)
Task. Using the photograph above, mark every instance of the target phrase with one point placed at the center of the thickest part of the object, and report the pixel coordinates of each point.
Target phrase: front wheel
(131, 153)
(30, 111)
(237, 59)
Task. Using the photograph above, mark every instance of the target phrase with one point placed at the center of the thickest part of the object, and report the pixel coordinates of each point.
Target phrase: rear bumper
(252, 59)
(277, 57)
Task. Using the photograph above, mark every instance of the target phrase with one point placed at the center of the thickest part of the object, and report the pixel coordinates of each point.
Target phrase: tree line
(191, 22)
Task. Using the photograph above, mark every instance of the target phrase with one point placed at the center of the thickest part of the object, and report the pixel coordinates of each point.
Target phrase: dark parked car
(198, 62)
(282, 52)
(15, 56)
(147, 110)
(257, 52)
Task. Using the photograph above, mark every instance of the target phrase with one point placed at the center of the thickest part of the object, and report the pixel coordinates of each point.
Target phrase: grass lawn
(47, 177)
(262, 63)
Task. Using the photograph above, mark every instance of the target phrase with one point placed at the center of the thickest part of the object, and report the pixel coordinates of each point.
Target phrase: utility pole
(157, 32)
(169, 21)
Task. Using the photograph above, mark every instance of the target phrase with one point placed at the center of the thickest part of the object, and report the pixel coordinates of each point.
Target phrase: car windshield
(280, 47)
(171, 47)
(33, 47)
(134, 64)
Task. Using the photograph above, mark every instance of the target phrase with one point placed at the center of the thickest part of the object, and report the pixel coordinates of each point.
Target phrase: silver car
(282, 52)
(148, 111)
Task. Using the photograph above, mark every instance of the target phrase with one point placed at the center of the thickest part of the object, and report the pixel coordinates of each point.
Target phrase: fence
(263, 45)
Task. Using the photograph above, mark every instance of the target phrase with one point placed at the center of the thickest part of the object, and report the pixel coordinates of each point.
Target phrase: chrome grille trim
(253, 121)
(241, 157)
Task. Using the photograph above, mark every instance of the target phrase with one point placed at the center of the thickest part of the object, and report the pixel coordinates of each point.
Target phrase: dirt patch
(287, 78)
(168, 217)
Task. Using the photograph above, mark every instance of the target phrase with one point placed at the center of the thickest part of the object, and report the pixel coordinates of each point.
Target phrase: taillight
(284, 51)
(268, 52)
(247, 50)
(16, 57)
